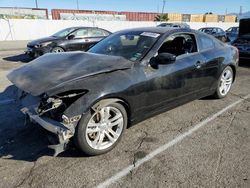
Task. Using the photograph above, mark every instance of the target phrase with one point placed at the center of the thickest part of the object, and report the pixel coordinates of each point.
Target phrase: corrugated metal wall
(131, 16)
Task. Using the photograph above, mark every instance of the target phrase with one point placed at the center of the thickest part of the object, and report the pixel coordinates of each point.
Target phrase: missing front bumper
(63, 132)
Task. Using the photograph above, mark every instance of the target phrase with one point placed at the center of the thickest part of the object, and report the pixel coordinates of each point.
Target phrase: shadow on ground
(18, 58)
(20, 140)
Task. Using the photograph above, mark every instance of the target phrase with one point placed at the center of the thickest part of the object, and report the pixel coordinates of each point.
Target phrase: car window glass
(206, 43)
(96, 33)
(130, 45)
(106, 33)
(80, 33)
(179, 44)
(129, 41)
(235, 29)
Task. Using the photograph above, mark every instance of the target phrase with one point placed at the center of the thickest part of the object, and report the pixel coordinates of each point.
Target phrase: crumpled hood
(51, 70)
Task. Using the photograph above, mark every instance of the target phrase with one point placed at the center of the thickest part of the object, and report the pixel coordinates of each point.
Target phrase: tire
(224, 83)
(89, 143)
(57, 50)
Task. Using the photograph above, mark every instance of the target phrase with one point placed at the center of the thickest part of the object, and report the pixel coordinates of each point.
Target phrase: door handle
(198, 64)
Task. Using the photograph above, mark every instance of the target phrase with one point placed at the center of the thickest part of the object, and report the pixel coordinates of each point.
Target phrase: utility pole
(158, 11)
(240, 11)
(77, 4)
(36, 4)
(163, 6)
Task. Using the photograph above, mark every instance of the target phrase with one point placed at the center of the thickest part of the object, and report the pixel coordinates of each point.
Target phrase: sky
(178, 6)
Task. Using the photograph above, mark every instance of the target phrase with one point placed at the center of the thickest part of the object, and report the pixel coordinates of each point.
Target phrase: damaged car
(92, 97)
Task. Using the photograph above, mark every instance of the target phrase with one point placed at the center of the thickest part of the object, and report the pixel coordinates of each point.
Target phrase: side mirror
(165, 58)
(70, 37)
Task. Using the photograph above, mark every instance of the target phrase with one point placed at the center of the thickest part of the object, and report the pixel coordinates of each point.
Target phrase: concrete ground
(13, 45)
(216, 155)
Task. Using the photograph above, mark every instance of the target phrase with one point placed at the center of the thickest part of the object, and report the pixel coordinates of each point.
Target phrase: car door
(77, 39)
(175, 83)
(210, 65)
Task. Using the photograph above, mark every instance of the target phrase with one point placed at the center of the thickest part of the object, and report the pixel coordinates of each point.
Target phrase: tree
(161, 17)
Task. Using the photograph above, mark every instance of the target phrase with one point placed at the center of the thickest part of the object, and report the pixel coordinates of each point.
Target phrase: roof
(160, 30)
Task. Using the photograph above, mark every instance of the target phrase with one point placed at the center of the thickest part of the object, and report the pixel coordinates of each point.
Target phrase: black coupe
(127, 77)
(70, 39)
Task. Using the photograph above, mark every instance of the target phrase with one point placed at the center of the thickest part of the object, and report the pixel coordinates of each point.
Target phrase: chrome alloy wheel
(104, 128)
(226, 82)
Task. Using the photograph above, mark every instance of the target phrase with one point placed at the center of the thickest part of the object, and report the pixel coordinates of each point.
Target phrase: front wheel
(100, 131)
(224, 83)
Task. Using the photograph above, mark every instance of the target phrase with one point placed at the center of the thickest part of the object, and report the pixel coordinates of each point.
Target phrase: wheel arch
(233, 67)
(60, 46)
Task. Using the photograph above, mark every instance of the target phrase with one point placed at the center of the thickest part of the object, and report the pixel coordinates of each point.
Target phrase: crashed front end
(49, 112)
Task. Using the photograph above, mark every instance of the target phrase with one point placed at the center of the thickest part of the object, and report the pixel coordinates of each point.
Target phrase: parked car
(70, 39)
(216, 32)
(175, 25)
(243, 40)
(232, 33)
(129, 76)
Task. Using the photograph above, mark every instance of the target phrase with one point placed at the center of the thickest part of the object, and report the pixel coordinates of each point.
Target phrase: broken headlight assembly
(55, 106)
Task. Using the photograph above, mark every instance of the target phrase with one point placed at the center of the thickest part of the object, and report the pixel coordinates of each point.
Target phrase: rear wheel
(57, 50)
(224, 83)
(100, 131)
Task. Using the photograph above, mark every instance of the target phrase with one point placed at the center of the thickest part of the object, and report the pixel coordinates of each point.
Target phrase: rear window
(206, 43)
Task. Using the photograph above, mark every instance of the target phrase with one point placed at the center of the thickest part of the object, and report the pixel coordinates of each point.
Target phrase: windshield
(130, 45)
(63, 33)
(233, 29)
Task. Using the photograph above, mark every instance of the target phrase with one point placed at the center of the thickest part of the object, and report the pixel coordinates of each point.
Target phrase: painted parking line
(166, 146)
(7, 101)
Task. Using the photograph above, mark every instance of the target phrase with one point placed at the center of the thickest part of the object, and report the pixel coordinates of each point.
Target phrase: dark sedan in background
(232, 33)
(216, 32)
(70, 39)
(127, 77)
(174, 25)
(243, 40)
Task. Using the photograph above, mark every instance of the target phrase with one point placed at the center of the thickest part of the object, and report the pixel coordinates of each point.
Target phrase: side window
(106, 33)
(96, 33)
(80, 33)
(230, 29)
(220, 30)
(206, 43)
(179, 44)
